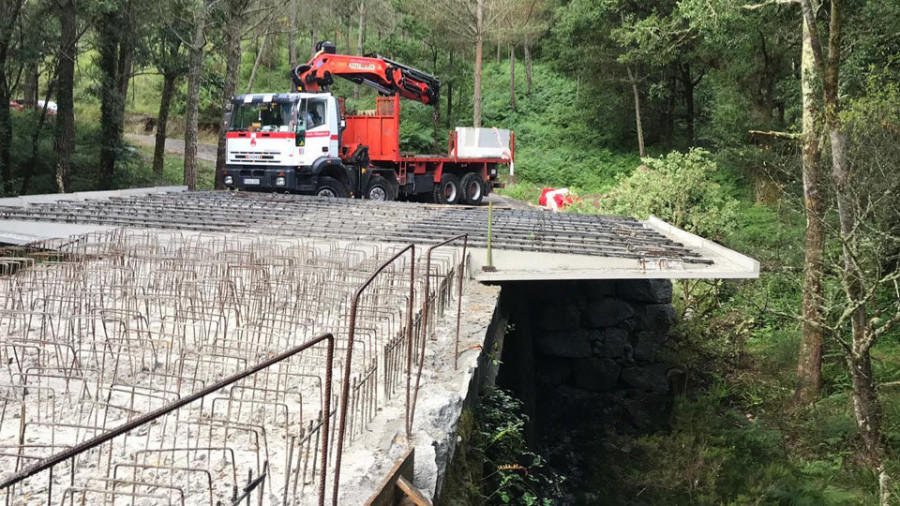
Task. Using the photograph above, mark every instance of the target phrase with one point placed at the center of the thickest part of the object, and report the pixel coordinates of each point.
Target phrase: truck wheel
(447, 191)
(472, 189)
(380, 189)
(330, 187)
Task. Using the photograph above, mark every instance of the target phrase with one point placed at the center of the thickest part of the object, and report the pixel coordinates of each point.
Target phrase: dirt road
(205, 152)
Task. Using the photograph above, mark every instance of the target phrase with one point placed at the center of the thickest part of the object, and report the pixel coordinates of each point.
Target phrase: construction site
(167, 347)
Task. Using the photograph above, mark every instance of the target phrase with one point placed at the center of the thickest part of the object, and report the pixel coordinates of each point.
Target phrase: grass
(173, 171)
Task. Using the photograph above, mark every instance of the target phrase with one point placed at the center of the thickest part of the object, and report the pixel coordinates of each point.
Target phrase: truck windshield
(263, 117)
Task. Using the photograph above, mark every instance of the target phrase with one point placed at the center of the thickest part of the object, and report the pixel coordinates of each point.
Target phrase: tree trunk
(112, 106)
(479, 56)
(5, 131)
(162, 122)
(527, 70)
(5, 126)
(498, 53)
(435, 123)
(866, 406)
(809, 363)
(687, 83)
(232, 69)
(31, 166)
(32, 84)
(259, 55)
(292, 32)
(126, 60)
(670, 109)
(347, 25)
(195, 71)
(512, 77)
(450, 90)
(312, 42)
(8, 21)
(360, 38)
(64, 133)
(637, 111)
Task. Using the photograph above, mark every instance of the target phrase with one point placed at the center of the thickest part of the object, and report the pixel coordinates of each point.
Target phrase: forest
(770, 126)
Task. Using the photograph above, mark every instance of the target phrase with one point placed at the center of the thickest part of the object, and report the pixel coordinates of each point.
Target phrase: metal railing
(142, 421)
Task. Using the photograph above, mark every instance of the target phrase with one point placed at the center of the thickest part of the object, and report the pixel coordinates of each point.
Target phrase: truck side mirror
(299, 138)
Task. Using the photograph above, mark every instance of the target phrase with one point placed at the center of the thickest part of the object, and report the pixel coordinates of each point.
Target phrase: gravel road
(205, 152)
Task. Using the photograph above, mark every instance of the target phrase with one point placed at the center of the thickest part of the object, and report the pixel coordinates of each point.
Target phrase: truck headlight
(229, 180)
(279, 181)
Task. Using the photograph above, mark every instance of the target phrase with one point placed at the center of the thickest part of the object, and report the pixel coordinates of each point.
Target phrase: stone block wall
(589, 353)
(599, 336)
(587, 358)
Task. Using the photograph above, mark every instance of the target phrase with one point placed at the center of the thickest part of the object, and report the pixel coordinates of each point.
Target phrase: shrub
(680, 188)
(513, 474)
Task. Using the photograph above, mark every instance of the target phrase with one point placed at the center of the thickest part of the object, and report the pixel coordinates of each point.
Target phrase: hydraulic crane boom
(386, 76)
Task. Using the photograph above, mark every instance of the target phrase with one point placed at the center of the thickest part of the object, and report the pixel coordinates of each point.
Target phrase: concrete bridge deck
(131, 301)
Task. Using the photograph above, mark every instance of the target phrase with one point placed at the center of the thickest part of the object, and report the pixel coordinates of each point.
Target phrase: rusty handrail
(411, 410)
(345, 385)
(94, 442)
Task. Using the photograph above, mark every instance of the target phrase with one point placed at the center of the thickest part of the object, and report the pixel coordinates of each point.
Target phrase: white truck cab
(282, 141)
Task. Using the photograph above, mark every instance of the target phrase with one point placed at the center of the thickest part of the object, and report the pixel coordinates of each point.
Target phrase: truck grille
(251, 173)
(254, 156)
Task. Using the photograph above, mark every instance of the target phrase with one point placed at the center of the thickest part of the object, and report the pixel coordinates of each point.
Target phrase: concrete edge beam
(92, 195)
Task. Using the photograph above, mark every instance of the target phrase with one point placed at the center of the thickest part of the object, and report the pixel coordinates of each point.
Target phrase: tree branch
(777, 135)
(753, 7)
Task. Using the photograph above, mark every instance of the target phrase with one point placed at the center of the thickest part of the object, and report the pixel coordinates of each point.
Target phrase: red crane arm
(382, 74)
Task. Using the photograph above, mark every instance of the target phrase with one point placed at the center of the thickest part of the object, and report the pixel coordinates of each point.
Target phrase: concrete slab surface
(525, 243)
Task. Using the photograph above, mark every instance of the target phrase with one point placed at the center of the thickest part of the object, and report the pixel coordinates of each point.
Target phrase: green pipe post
(490, 258)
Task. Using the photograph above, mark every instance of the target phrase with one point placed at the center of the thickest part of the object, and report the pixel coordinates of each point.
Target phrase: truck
(307, 142)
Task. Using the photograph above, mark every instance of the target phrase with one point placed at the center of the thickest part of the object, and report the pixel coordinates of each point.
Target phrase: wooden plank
(387, 494)
(412, 493)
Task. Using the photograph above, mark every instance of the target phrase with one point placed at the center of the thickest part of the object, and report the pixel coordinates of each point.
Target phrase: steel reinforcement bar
(146, 418)
(351, 219)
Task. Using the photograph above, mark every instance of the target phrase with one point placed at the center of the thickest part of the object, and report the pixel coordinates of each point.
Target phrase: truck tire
(331, 187)
(472, 188)
(380, 189)
(447, 191)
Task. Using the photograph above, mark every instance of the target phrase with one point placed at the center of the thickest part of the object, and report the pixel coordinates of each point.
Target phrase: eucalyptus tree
(119, 28)
(471, 21)
(10, 12)
(37, 56)
(522, 22)
(167, 52)
(593, 53)
(199, 15)
(64, 132)
(235, 21)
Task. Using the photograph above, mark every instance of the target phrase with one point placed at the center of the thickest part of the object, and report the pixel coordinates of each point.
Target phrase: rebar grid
(354, 219)
(98, 331)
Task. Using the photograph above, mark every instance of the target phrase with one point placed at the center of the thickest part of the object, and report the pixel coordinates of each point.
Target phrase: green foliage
(133, 165)
(556, 145)
(513, 473)
(678, 188)
(492, 464)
